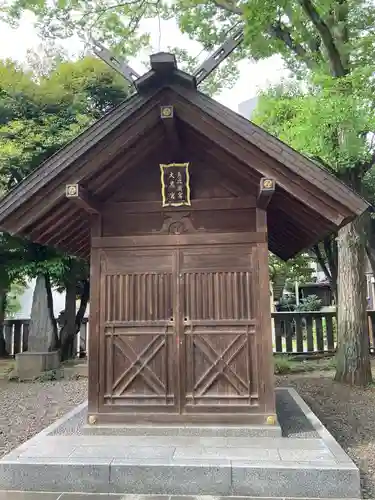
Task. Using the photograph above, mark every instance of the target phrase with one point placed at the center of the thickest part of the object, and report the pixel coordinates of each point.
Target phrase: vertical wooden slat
(144, 307)
(210, 296)
(222, 293)
(133, 292)
(150, 297)
(138, 299)
(166, 361)
(159, 296)
(242, 295)
(204, 296)
(155, 295)
(248, 297)
(299, 333)
(112, 304)
(126, 298)
(193, 296)
(216, 297)
(289, 335)
(187, 309)
(107, 297)
(168, 291)
(25, 336)
(121, 298)
(309, 333)
(192, 365)
(319, 333)
(17, 337)
(229, 295)
(115, 295)
(198, 295)
(278, 335)
(236, 314)
(329, 329)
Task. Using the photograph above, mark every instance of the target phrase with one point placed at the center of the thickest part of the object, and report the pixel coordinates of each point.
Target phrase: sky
(14, 44)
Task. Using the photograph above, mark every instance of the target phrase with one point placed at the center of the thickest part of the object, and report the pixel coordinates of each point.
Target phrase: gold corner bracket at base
(92, 420)
(271, 420)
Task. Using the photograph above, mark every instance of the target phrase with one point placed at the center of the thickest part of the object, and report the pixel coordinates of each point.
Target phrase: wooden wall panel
(219, 330)
(143, 183)
(137, 299)
(116, 222)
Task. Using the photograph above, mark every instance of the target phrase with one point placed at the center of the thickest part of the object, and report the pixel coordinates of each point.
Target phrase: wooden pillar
(94, 337)
(267, 189)
(84, 199)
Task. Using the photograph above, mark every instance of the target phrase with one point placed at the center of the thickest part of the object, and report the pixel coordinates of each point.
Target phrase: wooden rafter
(82, 198)
(266, 191)
(167, 115)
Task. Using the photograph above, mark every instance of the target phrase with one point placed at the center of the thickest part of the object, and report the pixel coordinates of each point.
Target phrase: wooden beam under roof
(167, 115)
(266, 191)
(82, 198)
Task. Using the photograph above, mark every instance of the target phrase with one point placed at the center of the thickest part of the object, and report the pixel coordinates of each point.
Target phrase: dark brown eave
(133, 132)
(298, 164)
(69, 154)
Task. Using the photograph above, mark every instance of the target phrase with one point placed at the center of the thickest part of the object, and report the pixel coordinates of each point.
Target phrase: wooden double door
(178, 330)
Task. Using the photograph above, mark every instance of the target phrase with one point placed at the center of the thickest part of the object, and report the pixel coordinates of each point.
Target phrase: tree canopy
(329, 47)
(41, 109)
(40, 115)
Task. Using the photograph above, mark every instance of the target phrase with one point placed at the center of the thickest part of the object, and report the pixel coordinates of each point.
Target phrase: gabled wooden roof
(308, 204)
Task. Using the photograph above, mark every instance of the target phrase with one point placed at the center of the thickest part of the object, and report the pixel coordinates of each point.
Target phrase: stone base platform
(305, 463)
(184, 430)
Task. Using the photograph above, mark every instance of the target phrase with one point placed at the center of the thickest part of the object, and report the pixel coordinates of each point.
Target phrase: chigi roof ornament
(165, 64)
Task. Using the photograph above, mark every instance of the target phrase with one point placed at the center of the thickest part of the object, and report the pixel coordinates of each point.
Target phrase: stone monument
(42, 354)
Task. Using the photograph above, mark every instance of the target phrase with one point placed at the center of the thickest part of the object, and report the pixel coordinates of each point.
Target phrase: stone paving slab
(292, 420)
(12, 495)
(311, 467)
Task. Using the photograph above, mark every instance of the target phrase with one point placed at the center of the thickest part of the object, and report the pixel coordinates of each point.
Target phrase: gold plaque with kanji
(175, 184)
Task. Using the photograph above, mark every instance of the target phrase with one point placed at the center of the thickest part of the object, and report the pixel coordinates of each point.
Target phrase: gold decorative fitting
(72, 190)
(166, 111)
(271, 420)
(268, 184)
(92, 420)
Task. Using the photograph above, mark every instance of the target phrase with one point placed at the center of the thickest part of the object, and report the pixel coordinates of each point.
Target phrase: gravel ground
(348, 413)
(27, 408)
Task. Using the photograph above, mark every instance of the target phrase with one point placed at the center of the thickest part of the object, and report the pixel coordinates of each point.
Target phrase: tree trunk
(73, 321)
(68, 331)
(353, 359)
(56, 344)
(326, 257)
(84, 300)
(3, 350)
(370, 245)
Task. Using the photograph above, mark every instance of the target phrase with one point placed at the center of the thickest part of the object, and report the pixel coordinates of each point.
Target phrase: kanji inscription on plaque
(175, 184)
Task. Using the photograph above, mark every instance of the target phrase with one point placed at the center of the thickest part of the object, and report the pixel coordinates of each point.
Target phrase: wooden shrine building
(175, 199)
